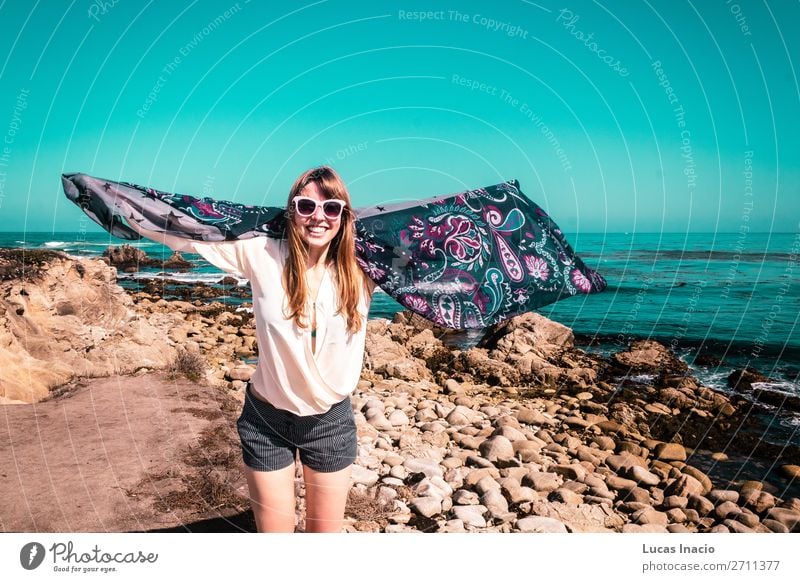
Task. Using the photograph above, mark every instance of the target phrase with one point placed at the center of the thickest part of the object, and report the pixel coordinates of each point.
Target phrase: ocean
(734, 297)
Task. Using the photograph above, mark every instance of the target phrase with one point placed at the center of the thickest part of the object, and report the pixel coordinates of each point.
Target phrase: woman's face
(316, 230)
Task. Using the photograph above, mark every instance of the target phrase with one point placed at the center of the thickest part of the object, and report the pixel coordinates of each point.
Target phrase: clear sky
(654, 116)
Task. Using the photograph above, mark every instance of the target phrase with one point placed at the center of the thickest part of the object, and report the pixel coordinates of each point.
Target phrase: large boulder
(386, 357)
(532, 346)
(649, 356)
(72, 319)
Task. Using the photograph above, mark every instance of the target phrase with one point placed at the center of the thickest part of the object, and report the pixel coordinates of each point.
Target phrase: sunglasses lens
(306, 207)
(332, 209)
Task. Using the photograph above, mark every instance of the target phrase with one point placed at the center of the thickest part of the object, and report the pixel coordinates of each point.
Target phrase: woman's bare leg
(326, 497)
(272, 498)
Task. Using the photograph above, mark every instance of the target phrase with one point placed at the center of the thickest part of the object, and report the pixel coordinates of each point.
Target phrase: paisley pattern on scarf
(465, 260)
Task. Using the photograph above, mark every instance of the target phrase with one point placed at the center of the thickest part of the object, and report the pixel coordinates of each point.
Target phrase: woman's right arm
(226, 255)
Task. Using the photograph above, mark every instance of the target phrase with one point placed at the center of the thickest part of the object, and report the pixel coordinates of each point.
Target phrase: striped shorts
(272, 437)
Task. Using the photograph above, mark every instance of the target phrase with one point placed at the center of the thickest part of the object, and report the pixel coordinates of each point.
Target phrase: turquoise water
(732, 296)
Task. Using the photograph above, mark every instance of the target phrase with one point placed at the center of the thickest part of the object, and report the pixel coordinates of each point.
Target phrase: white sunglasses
(306, 207)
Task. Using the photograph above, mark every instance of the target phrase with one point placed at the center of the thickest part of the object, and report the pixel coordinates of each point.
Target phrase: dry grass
(189, 364)
(368, 511)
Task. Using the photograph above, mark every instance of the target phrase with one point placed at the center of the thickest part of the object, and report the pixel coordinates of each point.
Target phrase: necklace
(314, 304)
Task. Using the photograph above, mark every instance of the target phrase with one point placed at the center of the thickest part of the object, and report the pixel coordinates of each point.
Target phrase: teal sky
(654, 116)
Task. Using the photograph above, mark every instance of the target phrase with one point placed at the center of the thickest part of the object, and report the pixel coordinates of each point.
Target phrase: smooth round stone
(749, 519)
(374, 405)
(452, 463)
(487, 484)
(643, 476)
(542, 482)
(537, 524)
(604, 443)
(453, 526)
(465, 497)
(393, 459)
(429, 467)
(497, 448)
(453, 387)
(675, 501)
(435, 427)
(398, 418)
(791, 471)
(495, 503)
(670, 452)
(565, 495)
(736, 526)
(721, 495)
(426, 506)
(398, 471)
(434, 487)
(379, 421)
(363, 475)
(511, 433)
(676, 515)
(425, 415)
(393, 481)
(470, 514)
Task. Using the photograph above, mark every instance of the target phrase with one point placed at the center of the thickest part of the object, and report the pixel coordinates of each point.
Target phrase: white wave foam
(207, 278)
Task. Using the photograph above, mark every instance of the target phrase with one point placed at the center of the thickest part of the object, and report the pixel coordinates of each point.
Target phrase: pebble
(726, 509)
(643, 476)
(364, 476)
(565, 495)
(702, 505)
(398, 418)
(670, 452)
(541, 482)
(420, 465)
(426, 506)
(574, 472)
(465, 497)
(537, 524)
(497, 449)
(791, 471)
(721, 495)
(470, 514)
(788, 517)
(495, 503)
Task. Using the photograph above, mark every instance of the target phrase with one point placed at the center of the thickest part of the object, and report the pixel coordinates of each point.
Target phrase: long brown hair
(350, 279)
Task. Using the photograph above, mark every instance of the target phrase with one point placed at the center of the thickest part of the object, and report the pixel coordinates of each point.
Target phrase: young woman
(310, 301)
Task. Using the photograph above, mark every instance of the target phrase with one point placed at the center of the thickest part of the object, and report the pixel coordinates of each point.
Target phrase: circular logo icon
(31, 555)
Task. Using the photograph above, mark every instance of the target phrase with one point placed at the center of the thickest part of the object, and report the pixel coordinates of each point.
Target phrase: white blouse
(289, 375)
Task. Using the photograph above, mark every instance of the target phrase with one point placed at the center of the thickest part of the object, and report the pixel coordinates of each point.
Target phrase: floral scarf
(463, 260)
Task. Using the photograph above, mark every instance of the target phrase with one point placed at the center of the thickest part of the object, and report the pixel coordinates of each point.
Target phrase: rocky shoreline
(524, 432)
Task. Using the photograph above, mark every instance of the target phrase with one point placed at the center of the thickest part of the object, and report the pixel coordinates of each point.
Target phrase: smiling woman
(465, 260)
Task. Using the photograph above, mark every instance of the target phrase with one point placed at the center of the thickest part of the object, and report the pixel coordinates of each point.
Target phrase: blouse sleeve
(230, 256)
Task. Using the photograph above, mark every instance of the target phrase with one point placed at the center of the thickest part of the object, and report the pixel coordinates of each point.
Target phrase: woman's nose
(319, 213)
